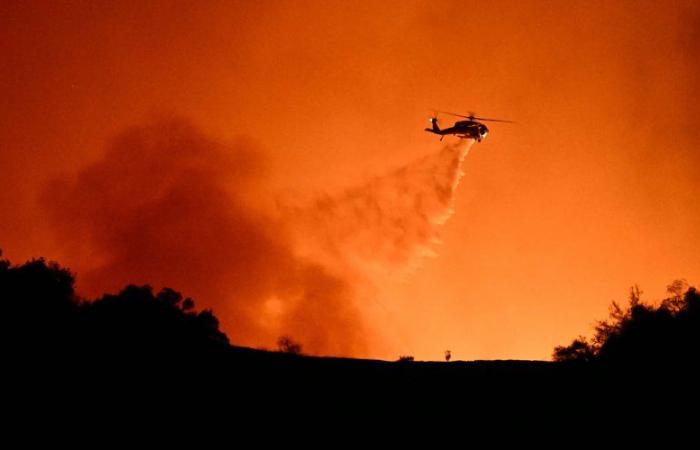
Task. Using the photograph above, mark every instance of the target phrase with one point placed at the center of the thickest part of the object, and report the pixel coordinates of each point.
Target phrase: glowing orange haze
(594, 189)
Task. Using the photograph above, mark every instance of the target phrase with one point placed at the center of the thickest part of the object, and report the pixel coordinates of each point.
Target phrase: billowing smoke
(169, 206)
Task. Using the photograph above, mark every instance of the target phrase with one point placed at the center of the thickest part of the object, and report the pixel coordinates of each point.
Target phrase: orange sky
(594, 189)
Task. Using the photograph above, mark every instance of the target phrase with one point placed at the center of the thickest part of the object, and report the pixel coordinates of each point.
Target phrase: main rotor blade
(492, 120)
(471, 116)
(454, 114)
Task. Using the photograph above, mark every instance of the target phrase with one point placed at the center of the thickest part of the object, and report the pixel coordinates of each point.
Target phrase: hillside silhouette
(140, 341)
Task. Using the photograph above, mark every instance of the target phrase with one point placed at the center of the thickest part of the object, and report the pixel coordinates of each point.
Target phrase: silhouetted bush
(644, 334)
(579, 350)
(405, 358)
(286, 344)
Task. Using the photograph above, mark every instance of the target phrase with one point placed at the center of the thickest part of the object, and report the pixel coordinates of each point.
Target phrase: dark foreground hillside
(140, 346)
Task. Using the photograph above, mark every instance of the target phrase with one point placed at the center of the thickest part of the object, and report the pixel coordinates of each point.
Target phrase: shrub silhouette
(643, 333)
(286, 344)
(579, 350)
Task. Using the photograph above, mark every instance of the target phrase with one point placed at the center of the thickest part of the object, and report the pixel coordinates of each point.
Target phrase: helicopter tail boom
(435, 129)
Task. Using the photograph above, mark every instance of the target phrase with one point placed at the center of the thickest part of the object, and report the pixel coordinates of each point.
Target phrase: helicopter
(463, 129)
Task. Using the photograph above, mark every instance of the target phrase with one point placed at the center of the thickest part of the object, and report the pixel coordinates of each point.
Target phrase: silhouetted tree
(137, 320)
(405, 358)
(43, 315)
(39, 307)
(644, 334)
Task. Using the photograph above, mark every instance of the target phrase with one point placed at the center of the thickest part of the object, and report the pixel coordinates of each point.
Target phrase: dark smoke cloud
(168, 206)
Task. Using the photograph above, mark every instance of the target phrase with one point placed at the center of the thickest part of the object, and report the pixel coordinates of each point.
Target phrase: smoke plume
(169, 206)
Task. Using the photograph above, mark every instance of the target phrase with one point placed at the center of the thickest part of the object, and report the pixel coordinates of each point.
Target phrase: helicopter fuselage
(464, 129)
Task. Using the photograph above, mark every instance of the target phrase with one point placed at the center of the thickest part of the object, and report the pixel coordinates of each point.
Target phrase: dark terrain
(141, 345)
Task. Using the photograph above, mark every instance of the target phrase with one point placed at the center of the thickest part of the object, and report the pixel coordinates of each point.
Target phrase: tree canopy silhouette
(43, 314)
(667, 334)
